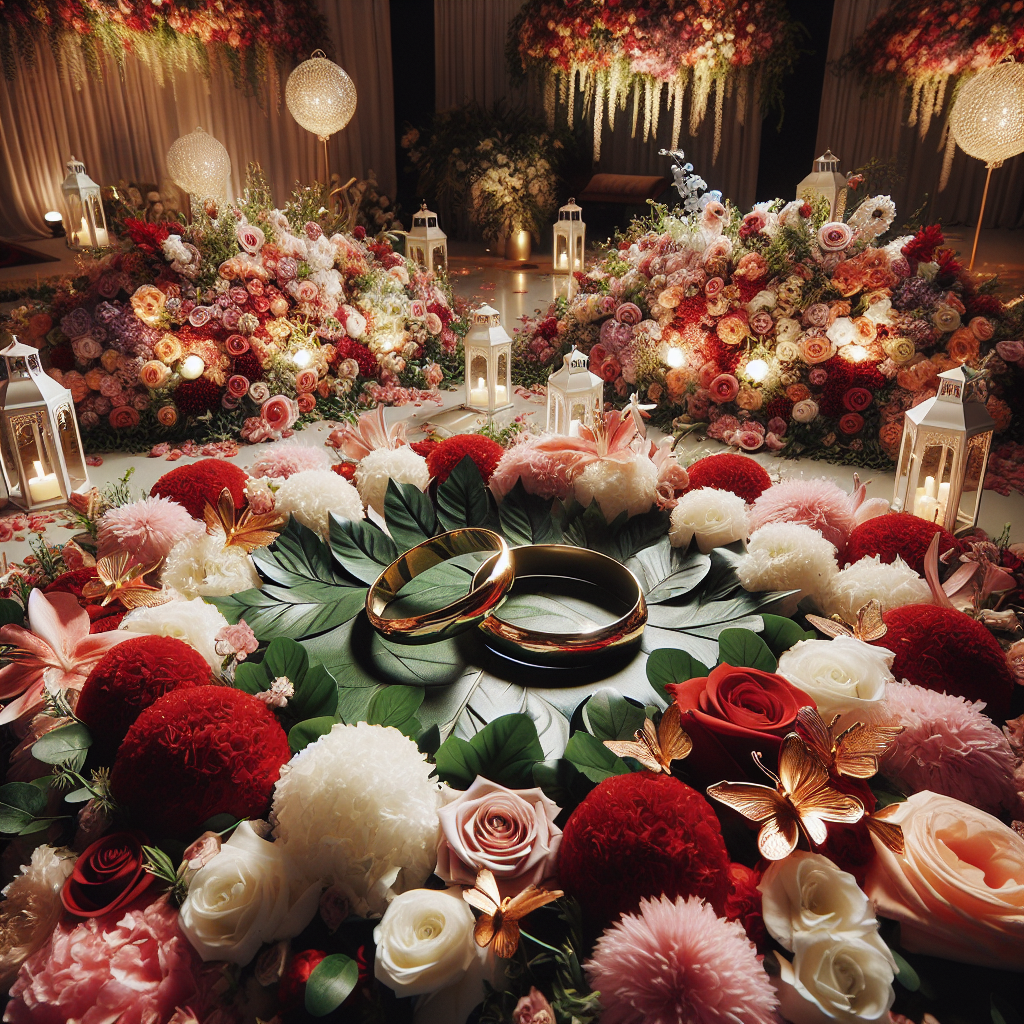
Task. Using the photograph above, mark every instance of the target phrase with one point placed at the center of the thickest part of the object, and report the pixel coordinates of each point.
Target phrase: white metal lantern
(199, 164)
(86, 222)
(943, 456)
(488, 363)
(426, 243)
(825, 180)
(570, 239)
(575, 393)
(40, 447)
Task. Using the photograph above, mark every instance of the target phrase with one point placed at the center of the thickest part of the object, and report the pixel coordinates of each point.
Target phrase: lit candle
(102, 238)
(43, 486)
(563, 261)
(478, 396)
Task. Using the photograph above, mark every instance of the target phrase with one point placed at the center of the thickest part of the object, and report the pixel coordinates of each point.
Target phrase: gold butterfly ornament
(248, 531)
(656, 747)
(869, 626)
(498, 923)
(120, 579)
(854, 752)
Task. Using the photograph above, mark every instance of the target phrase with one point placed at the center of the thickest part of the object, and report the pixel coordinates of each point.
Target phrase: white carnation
(788, 556)
(194, 621)
(201, 566)
(400, 464)
(631, 487)
(871, 579)
(357, 809)
(714, 517)
(311, 496)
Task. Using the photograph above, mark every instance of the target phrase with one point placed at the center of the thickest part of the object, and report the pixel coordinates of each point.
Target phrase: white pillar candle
(43, 486)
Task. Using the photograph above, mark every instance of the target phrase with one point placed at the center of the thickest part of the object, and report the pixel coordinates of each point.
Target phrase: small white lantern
(40, 447)
(575, 393)
(426, 243)
(86, 222)
(199, 164)
(570, 239)
(825, 180)
(943, 456)
(488, 363)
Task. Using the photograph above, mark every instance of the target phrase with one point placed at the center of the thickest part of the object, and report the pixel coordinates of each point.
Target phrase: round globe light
(320, 96)
(756, 370)
(987, 119)
(200, 165)
(192, 367)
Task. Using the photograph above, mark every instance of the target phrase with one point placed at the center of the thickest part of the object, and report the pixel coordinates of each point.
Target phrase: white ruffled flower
(630, 487)
(787, 329)
(805, 410)
(873, 217)
(357, 809)
(788, 556)
(194, 621)
(892, 585)
(400, 464)
(311, 496)
(714, 517)
(201, 566)
(843, 332)
(243, 898)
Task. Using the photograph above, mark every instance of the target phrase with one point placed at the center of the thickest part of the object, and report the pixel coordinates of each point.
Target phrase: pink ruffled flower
(774, 442)
(748, 440)
(279, 413)
(250, 238)
(284, 460)
(542, 472)
(724, 388)
(240, 638)
(533, 1008)
(147, 529)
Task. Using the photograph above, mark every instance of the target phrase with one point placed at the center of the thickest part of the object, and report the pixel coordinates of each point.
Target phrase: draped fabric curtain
(469, 47)
(122, 125)
(857, 127)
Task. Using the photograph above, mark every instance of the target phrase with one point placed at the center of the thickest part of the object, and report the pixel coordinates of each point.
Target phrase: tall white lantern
(570, 239)
(199, 164)
(825, 180)
(575, 393)
(943, 456)
(426, 243)
(40, 447)
(488, 363)
(86, 222)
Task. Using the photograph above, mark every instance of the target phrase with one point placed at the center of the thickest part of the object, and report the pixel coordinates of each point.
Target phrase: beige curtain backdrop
(122, 126)
(469, 50)
(858, 127)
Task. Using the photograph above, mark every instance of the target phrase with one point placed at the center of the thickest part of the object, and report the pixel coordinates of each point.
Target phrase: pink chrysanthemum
(282, 460)
(543, 473)
(147, 529)
(820, 504)
(678, 963)
(950, 747)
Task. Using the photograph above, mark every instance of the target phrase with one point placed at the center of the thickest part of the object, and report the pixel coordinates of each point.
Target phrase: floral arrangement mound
(783, 330)
(419, 837)
(617, 50)
(244, 322)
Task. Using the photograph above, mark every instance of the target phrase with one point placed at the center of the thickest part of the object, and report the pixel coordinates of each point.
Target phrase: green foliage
(67, 746)
(667, 666)
(330, 983)
(592, 758)
(504, 751)
(743, 649)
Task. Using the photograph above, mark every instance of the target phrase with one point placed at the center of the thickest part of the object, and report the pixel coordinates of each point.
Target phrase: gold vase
(517, 246)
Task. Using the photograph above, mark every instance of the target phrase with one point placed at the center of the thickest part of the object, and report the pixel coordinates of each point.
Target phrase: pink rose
(774, 442)
(238, 386)
(250, 238)
(259, 392)
(713, 287)
(200, 316)
(1010, 351)
(240, 638)
(280, 412)
(629, 313)
(154, 373)
(752, 265)
(748, 440)
(834, 236)
(86, 348)
(777, 425)
(303, 291)
(510, 832)
(805, 410)
(724, 388)
(306, 380)
(306, 402)
(713, 217)
(981, 328)
(418, 309)
(432, 375)
(534, 1008)
(236, 345)
(610, 369)
(761, 322)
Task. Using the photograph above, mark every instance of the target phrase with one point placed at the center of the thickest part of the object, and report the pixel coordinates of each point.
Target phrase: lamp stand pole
(981, 214)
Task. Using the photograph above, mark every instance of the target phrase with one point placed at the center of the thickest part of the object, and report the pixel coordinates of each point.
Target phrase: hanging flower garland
(614, 52)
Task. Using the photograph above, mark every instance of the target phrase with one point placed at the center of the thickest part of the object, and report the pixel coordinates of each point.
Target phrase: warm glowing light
(856, 353)
(674, 357)
(757, 370)
(52, 217)
(302, 358)
(192, 367)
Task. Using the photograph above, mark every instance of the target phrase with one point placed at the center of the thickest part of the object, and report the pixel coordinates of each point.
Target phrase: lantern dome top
(486, 328)
(424, 224)
(484, 312)
(28, 383)
(570, 211)
(948, 410)
(77, 178)
(575, 373)
(16, 349)
(828, 161)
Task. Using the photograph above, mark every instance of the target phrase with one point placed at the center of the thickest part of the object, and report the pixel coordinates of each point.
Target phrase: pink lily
(56, 653)
(865, 508)
(672, 478)
(367, 434)
(965, 588)
(615, 438)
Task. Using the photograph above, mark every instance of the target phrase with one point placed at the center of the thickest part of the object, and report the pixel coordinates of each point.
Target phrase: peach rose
(95, 377)
(306, 402)
(167, 415)
(866, 329)
(963, 345)
(148, 303)
(168, 349)
(124, 417)
(981, 328)
(154, 374)
(678, 382)
(958, 889)
(816, 348)
(305, 380)
(798, 392)
(732, 329)
(749, 399)
(75, 383)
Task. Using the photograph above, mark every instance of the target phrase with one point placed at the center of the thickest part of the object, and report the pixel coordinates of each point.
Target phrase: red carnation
(129, 679)
(743, 903)
(148, 237)
(923, 245)
(728, 472)
(196, 753)
(452, 450)
(248, 365)
(346, 348)
(898, 533)
(101, 617)
(193, 486)
(195, 397)
(641, 835)
(424, 448)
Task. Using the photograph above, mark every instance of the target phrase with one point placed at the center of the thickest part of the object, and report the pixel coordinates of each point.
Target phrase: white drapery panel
(122, 126)
(858, 127)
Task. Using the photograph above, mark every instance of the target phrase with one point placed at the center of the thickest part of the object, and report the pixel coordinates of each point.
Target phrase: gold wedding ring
(490, 585)
(568, 649)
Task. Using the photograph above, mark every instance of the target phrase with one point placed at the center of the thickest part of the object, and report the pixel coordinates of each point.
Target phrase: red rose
(732, 713)
(851, 423)
(108, 875)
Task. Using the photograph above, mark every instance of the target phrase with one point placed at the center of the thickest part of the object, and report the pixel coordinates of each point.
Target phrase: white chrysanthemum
(618, 486)
(375, 469)
(313, 495)
(358, 810)
(788, 556)
(873, 217)
(201, 566)
(714, 517)
(194, 621)
(871, 579)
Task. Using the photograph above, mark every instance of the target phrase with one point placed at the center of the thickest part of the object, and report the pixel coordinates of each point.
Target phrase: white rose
(842, 332)
(242, 899)
(764, 299)
(879, 311)
(806, 410)
(714, 517)
(806, 892)
(787, 329)
(842, 675)
(847, 980)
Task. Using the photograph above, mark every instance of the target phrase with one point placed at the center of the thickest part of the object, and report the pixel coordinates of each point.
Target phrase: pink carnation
(679, 961)
(282, 460)
(818, 503)
(542, 473)
(147, 529)
(950, 747)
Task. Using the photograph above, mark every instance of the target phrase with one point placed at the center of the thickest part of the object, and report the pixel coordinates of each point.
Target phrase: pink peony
(819, 503)
(533, 1009)
(679, 961)
(240, 638)
(724, 388)
(282, 460)
(542, 473)
(147, 529)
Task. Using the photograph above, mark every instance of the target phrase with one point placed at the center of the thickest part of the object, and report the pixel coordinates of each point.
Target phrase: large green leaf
(396, 706)
(591, 757)
(637, 533)
(780, 633)
(316, 690)
(300, 736)
(668, 665)
(463, 500)
(68, 745)
(562, 782)
(743, 649)
(330, 983)
(527, 519)
(409, 514)
(688, 572)
(609, 716)
(504, 751)
(300, 610)
(360, 548)
(11, 612)
(296, 557)
(20, 805)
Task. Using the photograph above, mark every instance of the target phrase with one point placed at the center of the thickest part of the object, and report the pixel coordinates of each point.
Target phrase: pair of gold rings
(491, 585)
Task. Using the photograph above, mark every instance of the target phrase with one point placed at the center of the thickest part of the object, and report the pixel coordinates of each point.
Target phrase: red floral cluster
(195, 485)
(447, 454)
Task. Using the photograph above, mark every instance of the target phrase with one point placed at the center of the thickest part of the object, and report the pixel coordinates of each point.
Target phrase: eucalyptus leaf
(330, 983)
(396, 706)
(743, 649)
(20, 805)
(669, 665)
(463, 500)
(504, 751)
(299, 611)
(780, 633)
(609, 716)
(409, 514)
(360, 548)
(905, 974)
(68, 745)
(591, 757)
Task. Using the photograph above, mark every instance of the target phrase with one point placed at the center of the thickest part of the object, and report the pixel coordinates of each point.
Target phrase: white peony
(375, 469)
(357, 809)
(870, 579)
(842, 675)
(787, 330)
(201, 566)
(311, 496)
(630, 487)
(194, 621)
(714, 517)
(243, 898)
(788, 556)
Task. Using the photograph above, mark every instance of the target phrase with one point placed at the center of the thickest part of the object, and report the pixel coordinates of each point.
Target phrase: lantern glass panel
(437, 257)
(478, 370)
(974, 474)
(936, 480)
(67, 436)
(76, 219)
